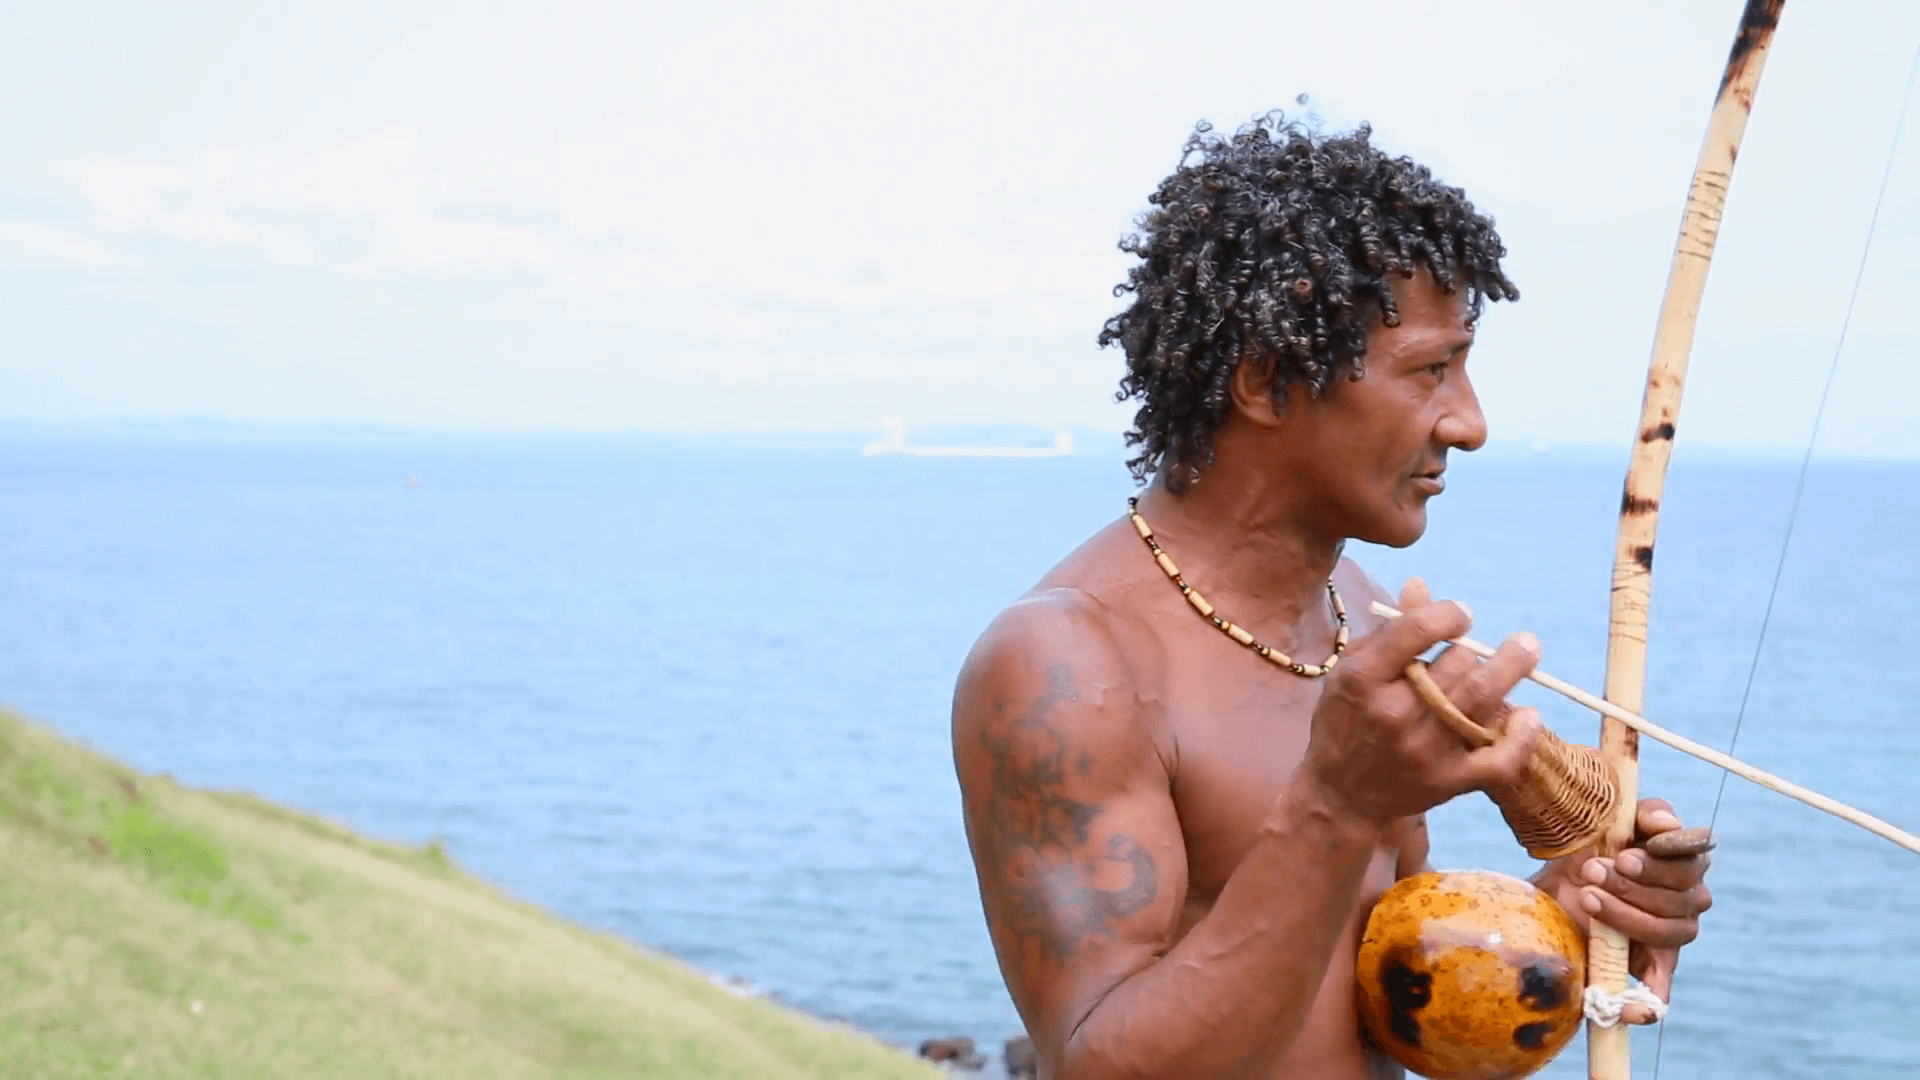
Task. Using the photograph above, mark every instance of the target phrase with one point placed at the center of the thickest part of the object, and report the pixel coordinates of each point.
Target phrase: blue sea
(696, 693)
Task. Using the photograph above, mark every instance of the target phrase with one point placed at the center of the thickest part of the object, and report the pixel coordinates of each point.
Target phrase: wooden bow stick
(1705, 753)
(1630, 600)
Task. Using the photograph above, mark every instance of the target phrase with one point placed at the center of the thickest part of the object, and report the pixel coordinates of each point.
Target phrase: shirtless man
(1177, 840)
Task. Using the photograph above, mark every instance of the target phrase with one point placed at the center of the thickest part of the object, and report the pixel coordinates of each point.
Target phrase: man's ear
(1252, 389)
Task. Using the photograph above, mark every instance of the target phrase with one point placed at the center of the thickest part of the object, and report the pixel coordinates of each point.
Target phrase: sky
(740, 217)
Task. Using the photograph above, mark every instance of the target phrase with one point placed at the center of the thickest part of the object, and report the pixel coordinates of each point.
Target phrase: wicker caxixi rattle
(1564, 799)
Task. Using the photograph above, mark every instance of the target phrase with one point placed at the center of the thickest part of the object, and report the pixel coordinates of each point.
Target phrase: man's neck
(1246, 541)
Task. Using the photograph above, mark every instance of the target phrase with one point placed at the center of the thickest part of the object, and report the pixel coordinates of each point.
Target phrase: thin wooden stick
(1705, 753)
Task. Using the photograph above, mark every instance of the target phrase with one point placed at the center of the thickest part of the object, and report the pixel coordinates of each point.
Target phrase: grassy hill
(152, 930)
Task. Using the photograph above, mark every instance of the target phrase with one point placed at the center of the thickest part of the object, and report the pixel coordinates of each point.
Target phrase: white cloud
(355, 206)
(427, 244)
(54, 242)
(371, 177)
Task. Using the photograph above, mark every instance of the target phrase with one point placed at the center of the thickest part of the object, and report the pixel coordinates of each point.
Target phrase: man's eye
(1439, 370)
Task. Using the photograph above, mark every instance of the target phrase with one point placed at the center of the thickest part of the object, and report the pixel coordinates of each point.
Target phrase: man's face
(1373, 449)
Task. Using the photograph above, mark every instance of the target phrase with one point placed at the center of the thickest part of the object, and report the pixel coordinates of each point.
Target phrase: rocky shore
(960, 1054)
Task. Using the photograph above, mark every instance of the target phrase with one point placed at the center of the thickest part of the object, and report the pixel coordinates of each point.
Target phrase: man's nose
(1464, 425)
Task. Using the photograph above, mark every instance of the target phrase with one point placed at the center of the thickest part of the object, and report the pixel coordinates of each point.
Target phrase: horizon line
(186, 428)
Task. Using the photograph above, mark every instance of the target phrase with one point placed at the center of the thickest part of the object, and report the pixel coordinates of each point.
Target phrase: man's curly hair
(1273, 246)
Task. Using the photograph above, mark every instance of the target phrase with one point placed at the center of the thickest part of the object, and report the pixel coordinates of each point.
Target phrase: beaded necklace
(1237, 633)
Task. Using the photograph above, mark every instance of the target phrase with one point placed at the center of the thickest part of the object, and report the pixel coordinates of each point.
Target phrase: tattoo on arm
(1059, 885)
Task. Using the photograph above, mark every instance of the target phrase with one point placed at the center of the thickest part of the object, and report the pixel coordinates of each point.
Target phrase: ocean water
(697, 696)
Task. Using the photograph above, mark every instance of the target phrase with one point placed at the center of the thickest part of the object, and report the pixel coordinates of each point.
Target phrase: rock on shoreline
(958, 1053)
(953, 1053)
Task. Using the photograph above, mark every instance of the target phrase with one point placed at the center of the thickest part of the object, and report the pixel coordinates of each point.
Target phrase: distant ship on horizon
(895, 442)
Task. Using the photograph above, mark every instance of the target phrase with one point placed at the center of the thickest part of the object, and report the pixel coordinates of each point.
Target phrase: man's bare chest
(1239, 729)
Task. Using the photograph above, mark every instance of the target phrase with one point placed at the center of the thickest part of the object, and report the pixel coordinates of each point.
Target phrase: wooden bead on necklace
(1237, 633)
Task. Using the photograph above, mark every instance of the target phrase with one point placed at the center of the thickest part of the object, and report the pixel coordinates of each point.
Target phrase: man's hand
(1379, 754)
(1656, 902)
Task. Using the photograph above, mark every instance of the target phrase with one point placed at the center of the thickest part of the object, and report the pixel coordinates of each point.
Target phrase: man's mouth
(1431, 482)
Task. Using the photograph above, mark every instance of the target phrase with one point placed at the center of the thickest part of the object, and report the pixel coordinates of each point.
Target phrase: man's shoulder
(1075, 623)
(1051, 682)
(1053, 623)
(1078, 607)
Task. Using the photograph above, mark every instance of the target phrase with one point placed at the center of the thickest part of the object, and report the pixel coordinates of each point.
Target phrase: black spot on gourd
(1532, 1036)
(1658, 431)
(1541, 989)
(1644, 556)
(1407, 992)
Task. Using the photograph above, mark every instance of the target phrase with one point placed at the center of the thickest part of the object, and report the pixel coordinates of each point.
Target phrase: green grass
(152, 930)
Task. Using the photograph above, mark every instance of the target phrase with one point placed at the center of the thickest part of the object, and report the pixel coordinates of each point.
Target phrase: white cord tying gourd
(1604, 1008)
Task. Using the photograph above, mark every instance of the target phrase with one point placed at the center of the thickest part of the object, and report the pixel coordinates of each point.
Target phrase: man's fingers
(1684, 902)
(1638, 1015)
(1655, 816)
(1386, 652)
(1453, 661)
(1453, 667)
(1656, 971)
(1676, 874)
(1414, 594)
(1649, 929)
(1481, 692)
(1501, 764)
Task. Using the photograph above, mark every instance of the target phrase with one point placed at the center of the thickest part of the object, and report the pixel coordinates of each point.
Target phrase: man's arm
(1082, 868)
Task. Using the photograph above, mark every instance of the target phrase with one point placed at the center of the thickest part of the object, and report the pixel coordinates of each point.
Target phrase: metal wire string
(1800, 486)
